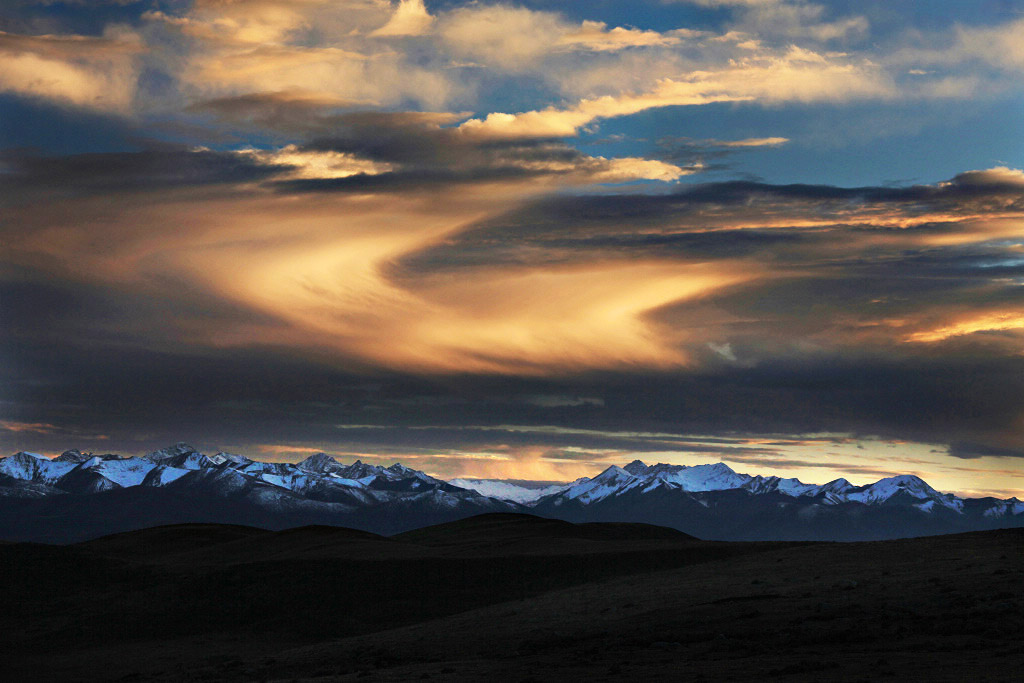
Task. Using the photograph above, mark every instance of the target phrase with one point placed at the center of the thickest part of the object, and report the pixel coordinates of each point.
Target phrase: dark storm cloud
(426, 151)
(423, 155)
(35, 307)
(152, 169)
(970, 451)
(489, 247)
(33, 125)
(422, 138)
(403, 180)
(84, 17)
(995, 189)
(415, 140)
(890, 241)
(261, 396)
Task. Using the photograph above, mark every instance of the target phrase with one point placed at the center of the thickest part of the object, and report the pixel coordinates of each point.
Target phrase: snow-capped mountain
(615, 480)
(180, 455)
(637, 476)
(508, 490)
(179, 483)
(222, 457)
(713, 501)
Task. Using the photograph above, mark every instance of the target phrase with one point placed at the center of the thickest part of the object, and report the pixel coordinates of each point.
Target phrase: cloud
(422, 148)
(410, 19)
(972, 451)
(31, 427)
(997, 177)
(789, 19)
(798, 75)
(273, 22)
(334, 72)
(554, 122)
(368, 150)
(519, 39)
(95, 73)
(971, 324)
(159, 168)
(310, 164)
(749, 142)
(562, 286)
(320, 47)
(711, 154)
(341, 297)
(595, 35)
(1000, 46)
(511, 38)
(380, 211)
(562, 401)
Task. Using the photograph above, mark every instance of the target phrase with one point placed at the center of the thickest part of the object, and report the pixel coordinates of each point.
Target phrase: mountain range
(77, 496)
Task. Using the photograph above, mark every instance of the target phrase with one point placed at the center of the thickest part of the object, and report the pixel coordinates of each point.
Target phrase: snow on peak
(76, 456)
(222, 457)
(34, 467)
(610, 482)
(836, 486)
(637, 476)
(613, 473)
(790, 486)
(320, 462)
(885, 488)
(505, 490)
(904, 485)
(711, 477)
(359, 470)
(177, 450)
(124, 472)
(323, 476)
(22, 455)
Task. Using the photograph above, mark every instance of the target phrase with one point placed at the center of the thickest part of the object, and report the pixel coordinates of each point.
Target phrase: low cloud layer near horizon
(518, 240)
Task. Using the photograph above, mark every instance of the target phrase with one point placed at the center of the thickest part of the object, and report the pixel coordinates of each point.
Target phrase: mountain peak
(320, 462)
(680, 493)
(178, 449)
(636, 467)
(613, 472)
(23, 455)
(222, 457)
(72, 455)
(76, 456)
(904, 480)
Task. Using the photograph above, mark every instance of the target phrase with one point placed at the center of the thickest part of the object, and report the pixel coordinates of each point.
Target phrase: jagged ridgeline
(78, 495)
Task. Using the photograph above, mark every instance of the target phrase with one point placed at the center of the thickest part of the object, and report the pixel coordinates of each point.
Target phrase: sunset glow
(519, 240)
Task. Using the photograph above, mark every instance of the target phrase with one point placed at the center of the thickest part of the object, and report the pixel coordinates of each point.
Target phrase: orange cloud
(98, 73)
(29, 427)
(410, 19)
(990, 322)
(329, 285)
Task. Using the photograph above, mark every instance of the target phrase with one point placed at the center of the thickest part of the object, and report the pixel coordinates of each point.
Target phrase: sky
(519, 240)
